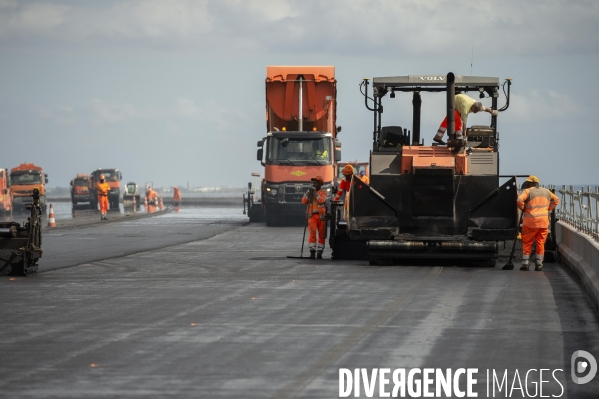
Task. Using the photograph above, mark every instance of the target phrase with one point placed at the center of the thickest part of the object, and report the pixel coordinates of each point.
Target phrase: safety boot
(524, 266)
(312, 254)
(319, 254)
(539, 267)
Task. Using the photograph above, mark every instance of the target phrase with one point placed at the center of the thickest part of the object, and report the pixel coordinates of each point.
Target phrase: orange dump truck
(80, 190)
(301, 140)
(23, 179)
(5, 194)
(113, 178)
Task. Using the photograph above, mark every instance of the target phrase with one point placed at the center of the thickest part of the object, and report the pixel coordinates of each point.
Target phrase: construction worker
(103, 190)
(363, 177)
(316, 198)
(152, 196)
(347, 172)
(536, 203)
(176, 196)
(464, 105)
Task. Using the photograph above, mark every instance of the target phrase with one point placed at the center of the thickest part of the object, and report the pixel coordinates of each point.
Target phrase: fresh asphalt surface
(202, 304)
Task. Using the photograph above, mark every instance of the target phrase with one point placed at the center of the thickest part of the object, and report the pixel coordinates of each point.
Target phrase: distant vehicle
(80, 190)
(113, 178)
(5, 193)
(23, 179)
(131, 192)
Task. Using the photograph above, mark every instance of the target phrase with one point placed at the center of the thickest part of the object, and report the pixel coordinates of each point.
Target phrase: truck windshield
(110, 175)
(299, 151)
(81, 182)
(26, 178)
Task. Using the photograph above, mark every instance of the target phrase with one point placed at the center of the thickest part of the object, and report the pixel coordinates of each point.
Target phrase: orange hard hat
(348, 170)
(102, 177)
(318, 178)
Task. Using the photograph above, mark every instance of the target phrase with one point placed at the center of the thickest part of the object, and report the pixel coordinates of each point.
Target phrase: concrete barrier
(581, 253)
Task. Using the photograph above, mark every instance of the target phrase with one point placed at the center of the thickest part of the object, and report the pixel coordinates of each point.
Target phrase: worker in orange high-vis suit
(363, 177)
(152, 196)
(344, 186)
(536, 203)
(103, 190)
(316, 199)
(176, 196)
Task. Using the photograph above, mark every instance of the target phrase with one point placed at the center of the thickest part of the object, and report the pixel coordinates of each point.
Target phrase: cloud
(336, 26)
(104, 112)
(544, 106)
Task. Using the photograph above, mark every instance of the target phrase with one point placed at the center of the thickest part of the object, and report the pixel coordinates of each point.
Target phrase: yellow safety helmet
(532, 179)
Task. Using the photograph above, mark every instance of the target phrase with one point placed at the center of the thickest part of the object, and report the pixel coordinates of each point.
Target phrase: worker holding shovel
(316, 198)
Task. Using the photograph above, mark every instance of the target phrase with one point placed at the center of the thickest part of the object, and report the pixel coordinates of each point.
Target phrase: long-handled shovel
(509, 265)
(303, 237)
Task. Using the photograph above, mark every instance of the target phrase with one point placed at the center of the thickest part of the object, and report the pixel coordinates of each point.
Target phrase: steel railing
(580, 209)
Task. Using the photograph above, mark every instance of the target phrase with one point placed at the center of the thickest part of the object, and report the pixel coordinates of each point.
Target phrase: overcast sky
(172, 91)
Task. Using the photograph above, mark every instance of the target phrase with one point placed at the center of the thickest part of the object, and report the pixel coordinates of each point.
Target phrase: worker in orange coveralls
(176, 196)
(103, 190)
(316, 198)
(152, 196)
(363, 177)
(344, 186)
(536, 203)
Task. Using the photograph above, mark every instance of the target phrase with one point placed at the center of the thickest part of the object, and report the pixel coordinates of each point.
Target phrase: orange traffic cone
(51, 221)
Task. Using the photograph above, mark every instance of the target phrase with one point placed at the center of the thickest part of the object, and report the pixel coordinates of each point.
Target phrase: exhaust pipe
(300, 116)
(451, 105)
(416, 105)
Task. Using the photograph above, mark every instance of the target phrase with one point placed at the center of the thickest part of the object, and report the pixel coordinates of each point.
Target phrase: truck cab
(113, 178)
(24, 178)
(80, 188)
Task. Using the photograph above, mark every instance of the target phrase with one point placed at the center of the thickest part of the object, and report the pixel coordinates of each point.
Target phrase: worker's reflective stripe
(538, 215)
(525, 256)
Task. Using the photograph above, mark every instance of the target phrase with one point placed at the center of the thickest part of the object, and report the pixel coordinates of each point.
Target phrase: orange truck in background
(301, 140)
(5, 193)
(23, 179)
(80, 190)
(113, 178)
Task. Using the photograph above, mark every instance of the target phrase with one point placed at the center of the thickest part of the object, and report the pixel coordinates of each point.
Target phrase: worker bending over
(316, 198)
(344, 186)
(464, 105)
(103, 190)
(152, 196)
(536, 203)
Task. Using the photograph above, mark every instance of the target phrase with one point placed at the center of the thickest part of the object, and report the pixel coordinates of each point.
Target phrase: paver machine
(423, 202)
(21, 245)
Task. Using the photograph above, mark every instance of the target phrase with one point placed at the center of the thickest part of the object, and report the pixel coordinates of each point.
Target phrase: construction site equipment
(429, 201)
(131, 193)
(25, 178)
(113, 177)
(80, 189)
(5, 194)
(21, 246)
(304, 235)
(301, 140)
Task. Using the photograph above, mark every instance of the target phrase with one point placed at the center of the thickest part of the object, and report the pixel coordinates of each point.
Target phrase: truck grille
(295, 192)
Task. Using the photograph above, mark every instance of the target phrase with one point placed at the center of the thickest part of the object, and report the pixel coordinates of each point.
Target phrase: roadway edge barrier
(581, 253)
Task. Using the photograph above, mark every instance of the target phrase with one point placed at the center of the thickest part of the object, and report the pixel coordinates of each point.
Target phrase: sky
(172, 91)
